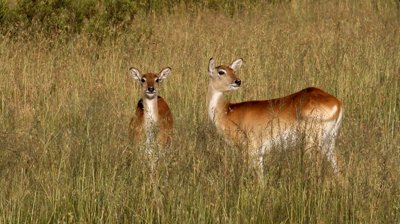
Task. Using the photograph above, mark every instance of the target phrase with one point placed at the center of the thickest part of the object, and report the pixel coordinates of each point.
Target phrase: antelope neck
(150, 109)
(215, 102)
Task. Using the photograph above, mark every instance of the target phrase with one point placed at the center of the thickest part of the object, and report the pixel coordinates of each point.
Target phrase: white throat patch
(150, 118)
(212, 105)
(151, 110)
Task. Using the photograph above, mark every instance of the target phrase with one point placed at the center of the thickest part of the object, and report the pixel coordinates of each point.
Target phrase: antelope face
(223, 78)
(150, 82)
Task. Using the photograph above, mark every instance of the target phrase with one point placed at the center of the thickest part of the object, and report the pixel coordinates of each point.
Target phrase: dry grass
(65, 155)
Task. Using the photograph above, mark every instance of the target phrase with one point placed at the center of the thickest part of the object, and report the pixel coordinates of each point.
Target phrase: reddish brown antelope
(311, 113)
(152, 123)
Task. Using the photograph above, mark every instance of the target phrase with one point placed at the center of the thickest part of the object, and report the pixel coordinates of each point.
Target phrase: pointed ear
(236, 64)
(135, 74)
(165, 72)
(211, 67)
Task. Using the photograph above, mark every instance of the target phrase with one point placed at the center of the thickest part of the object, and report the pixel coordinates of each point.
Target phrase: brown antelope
(152, 123)
(311, 112)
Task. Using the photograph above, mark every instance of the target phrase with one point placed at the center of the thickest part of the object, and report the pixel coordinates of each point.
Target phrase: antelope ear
(135, 74)
(165, 72)
(211, 67)
(236, 64)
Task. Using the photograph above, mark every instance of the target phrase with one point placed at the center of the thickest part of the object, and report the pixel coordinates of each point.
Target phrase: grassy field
(65, 107)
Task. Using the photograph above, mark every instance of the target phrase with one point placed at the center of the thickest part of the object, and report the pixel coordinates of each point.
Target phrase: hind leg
(332, 157)
(320, 140)
(329, 145)
(329, 151)
(312, 147)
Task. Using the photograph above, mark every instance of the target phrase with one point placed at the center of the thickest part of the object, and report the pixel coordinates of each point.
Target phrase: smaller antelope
(153, 122)
(311, 112)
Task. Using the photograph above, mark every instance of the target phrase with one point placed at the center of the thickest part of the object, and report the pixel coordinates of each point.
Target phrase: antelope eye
(143, 80)
(221, 72)
(158, 80)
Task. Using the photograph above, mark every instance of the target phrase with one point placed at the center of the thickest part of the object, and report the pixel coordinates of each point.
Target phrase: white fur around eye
(221, 72)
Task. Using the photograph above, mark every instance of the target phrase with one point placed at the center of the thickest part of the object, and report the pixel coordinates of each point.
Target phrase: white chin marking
(150, 95)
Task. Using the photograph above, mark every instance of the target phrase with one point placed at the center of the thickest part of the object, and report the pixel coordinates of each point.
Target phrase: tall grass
(65, 106)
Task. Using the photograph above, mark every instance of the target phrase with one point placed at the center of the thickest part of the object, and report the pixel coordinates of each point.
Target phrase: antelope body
(153, 122)
(311, 112)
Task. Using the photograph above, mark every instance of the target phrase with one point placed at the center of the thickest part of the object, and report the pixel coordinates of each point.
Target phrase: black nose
(238, 82)
(150, 89)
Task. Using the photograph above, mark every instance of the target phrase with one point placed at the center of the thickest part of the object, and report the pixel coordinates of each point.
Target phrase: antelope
(311, 113)
(153, 122)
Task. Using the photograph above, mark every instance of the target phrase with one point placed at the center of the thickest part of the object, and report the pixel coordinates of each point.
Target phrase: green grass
(65, 107)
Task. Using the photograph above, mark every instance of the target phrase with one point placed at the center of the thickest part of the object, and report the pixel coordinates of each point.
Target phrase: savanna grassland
(66, 102)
